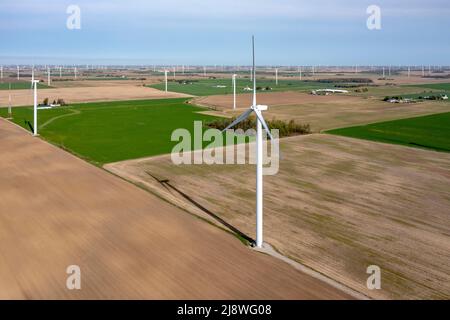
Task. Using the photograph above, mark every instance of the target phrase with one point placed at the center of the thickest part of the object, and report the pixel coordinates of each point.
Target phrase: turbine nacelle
(260, 107)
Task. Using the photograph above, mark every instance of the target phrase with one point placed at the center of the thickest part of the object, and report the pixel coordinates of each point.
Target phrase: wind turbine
(423, 71)
(300, 72)
(165, 78)
(34, 84)
(260, 123)
(276, 76)
(48, 77)
(32, 76)
(9, 104)
(234, 90)
(384, 76)
(409, 71)
(1, 72)
(60, 72)
(18, 73)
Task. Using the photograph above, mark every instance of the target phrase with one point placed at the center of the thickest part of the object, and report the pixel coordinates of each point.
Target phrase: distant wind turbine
(165, 78)
(234, 90)
(9, 104)
(260, 123)
(276, 76)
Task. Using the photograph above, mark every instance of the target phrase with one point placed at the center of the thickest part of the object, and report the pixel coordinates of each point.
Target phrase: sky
(211, 32)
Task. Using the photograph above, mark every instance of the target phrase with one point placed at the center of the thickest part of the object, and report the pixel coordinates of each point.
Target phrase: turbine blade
(263, 122)
(242, 117)
(254, 71)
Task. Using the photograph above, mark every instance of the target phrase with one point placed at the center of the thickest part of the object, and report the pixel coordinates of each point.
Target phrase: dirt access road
(57, 210)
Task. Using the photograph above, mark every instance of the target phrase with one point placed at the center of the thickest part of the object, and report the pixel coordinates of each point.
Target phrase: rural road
(57, 210)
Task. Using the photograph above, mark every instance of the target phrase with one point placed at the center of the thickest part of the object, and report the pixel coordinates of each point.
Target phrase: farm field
(57, 210)
(435, 86)
(113, 131)
(432, 132)
(87, 91)
(322, 112)
(21, 85)
(205, 87)
(337, 205)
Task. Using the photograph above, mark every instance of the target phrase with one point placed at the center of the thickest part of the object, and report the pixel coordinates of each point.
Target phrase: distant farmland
(435, 86)
(431, 132)
(210, 86)
(113, 131)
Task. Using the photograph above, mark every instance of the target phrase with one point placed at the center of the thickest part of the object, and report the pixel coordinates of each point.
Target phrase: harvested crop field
(86, 94)
(337, 205)
(58, 210)
(323, 112)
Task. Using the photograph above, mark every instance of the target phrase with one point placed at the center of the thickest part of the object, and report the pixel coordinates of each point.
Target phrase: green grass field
(114, 131)
(208, 87)
(434, 86)
(20, 85)
(431, 132)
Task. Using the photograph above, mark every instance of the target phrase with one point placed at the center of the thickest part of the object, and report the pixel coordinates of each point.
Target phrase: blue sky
(288, 32)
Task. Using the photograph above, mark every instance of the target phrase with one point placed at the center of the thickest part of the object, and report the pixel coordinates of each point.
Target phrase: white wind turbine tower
(260, 123)
(165, 78)
(9, 104)
(18, 73)
(300, 72)
(34, 84)
(60, 72)
(75, 72)
(276, 76)
(32, 76)
(423, 71)
(384, 76)
(409, 71)
(1, 72)
(234, 90)
(48, 77)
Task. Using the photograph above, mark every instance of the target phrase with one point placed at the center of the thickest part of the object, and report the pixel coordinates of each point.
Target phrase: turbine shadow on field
(166, 184)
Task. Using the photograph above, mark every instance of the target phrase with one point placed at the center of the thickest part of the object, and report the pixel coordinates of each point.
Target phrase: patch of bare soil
(322, 112)
(337, 205)
(57, 210)
(87, 94)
